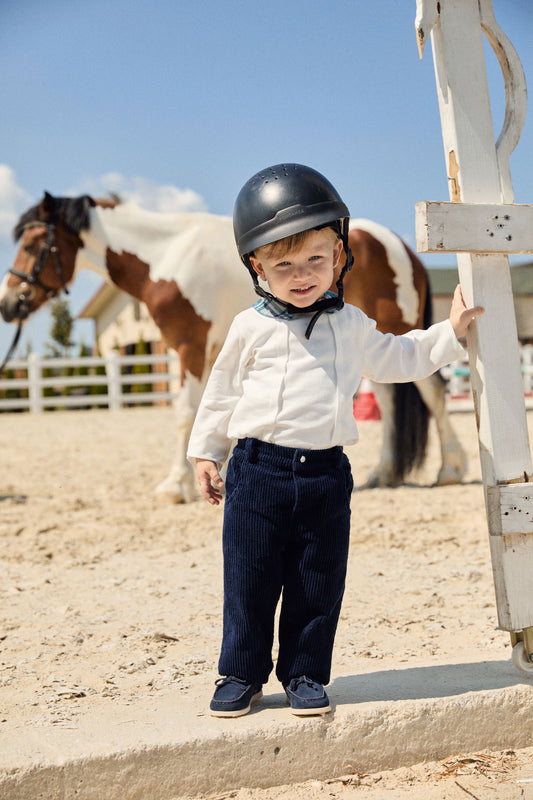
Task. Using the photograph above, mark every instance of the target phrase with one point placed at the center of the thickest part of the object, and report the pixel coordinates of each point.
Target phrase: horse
(185, 268)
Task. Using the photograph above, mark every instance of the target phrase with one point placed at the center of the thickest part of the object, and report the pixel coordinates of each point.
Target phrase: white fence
(44, 387)
(45, 382)
(457, 374)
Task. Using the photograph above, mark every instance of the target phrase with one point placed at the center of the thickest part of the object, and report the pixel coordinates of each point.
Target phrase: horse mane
(73, 212)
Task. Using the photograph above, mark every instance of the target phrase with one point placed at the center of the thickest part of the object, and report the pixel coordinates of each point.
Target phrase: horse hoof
(168, 498)
(372, 482)
(449, 478)
(378, 481)
(175, 493)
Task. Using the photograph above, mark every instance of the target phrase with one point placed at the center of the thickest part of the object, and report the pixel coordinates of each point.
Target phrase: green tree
(7, 393)
(142, 348)
(80, 370)
(60, 334)
(61, 329)
(98, 388)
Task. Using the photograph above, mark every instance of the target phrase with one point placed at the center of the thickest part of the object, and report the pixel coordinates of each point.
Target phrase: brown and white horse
(186, 270)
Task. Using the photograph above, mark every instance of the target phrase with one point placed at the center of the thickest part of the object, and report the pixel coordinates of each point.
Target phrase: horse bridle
(33, 278)
(49, 246)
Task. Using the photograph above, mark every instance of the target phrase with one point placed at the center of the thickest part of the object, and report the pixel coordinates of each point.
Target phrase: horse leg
(383, 474)
(180, 484)
(454, 461)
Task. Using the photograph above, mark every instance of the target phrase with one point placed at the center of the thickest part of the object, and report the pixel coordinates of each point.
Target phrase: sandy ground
(106, 596)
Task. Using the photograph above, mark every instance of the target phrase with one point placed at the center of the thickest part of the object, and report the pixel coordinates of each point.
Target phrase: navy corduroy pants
(286, 531)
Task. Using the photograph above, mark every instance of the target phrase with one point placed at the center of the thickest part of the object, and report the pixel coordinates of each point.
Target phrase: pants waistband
(268, 452)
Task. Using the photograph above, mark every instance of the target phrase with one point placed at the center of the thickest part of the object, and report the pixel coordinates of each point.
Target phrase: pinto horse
(186, 270)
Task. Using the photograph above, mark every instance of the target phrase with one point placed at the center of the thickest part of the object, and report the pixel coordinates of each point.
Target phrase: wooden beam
(473, 228)
(510, 510)
(475, 177)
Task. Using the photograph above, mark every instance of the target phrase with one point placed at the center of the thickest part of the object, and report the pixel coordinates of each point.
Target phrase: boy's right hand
(460, 315)
(209, 480)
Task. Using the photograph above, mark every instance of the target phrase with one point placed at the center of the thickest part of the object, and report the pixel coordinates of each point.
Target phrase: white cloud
(146, 193)
(13, 201)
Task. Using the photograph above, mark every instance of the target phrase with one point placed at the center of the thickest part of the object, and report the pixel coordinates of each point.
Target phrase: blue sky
(179, 103)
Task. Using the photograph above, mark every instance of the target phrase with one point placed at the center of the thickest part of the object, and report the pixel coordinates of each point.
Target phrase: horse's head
(49, 235)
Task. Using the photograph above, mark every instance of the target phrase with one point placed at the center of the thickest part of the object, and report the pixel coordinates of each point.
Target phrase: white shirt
(271, 383)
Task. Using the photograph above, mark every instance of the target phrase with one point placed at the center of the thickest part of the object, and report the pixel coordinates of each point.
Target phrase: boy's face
(301, 276)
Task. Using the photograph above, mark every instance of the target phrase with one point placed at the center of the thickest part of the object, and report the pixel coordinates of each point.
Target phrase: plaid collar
(273, 308)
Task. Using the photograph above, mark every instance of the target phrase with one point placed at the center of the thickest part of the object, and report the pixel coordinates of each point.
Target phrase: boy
(282, 386)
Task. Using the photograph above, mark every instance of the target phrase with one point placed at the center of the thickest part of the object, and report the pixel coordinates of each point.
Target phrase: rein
(33, 278)
(13, 347)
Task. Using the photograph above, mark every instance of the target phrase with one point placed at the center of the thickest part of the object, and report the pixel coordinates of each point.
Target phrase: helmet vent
(302, 198)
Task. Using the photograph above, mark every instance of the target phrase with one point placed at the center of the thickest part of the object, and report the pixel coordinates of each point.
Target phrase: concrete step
(167, 745)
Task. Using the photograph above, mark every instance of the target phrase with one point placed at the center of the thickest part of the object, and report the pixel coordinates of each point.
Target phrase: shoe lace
(230, 679)
(303, 679)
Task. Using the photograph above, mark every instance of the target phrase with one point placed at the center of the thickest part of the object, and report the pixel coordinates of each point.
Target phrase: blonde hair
(290, 244)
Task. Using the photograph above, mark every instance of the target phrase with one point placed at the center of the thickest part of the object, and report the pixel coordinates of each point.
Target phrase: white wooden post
(114, 388)
(482, 225)
(35, 389)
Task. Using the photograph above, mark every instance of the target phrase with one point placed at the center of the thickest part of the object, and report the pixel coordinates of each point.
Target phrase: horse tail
(411, 420)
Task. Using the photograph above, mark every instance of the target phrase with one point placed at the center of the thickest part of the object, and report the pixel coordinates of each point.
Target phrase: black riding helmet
(280, 201)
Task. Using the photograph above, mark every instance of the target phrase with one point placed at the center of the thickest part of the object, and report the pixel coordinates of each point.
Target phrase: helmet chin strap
(319, 306)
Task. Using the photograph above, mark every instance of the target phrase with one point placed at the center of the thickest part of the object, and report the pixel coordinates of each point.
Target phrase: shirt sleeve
(411, 356)
(209, 437)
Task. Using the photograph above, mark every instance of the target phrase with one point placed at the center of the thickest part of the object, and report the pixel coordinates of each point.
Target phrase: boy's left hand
(460, 315)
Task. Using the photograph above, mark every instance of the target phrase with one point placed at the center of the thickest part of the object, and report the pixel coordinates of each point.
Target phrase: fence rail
(37, 384)
(457, 374)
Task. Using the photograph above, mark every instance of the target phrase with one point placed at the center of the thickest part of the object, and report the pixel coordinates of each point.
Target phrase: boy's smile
(302, 276)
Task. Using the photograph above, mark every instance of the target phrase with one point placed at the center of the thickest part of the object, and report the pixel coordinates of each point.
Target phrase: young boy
(283, 387)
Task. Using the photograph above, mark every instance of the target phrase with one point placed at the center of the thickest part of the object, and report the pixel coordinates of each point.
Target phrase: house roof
(100, 299)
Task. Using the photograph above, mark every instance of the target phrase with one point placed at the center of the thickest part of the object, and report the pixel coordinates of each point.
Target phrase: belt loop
(251, 449)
